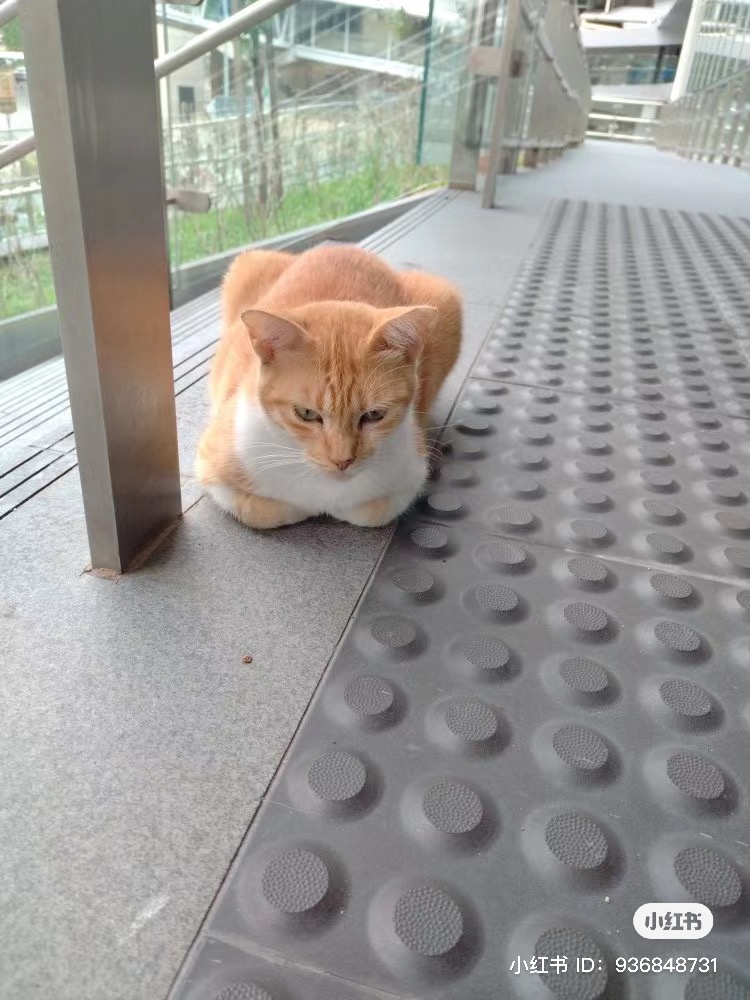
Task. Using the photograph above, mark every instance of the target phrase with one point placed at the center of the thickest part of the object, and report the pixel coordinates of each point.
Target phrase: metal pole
(170, 137)
(481, 19)
(93, 96)
(425, 77)
(225, 58)
(499, 112)
(527, 87)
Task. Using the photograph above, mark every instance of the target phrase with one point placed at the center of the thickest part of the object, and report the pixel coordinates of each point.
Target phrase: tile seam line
(481, 531)
(261, 800)
(382, 239)
(425, 208)
(176, 978)
(12, 396)
(607, 397)
(407, 223)
(556, 206)
(344, 632)
(37, 472)
(279, 961)
(34, 454)
(26, 500)
(12, 426)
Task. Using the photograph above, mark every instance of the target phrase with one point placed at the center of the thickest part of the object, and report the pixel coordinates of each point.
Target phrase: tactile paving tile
(635, 481)
(645, 265)
(613, 359)
(724, 245)
(225, 972)
(531, 727)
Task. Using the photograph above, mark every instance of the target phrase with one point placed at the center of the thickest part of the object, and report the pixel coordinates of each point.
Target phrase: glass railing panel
(524, 65)
(712, 123)
(741, 112)
(281, 141)
(25, 271)
(446, 81)
(26, 285)
(277, 142)
(476, 92)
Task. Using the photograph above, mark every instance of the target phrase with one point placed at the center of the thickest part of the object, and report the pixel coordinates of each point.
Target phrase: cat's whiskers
(265, 465)
(434, 452)
(369, 384)
(269, 444)
(442, 427)
(279, 459)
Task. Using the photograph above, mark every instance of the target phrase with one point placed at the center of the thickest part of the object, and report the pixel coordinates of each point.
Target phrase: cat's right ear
(272, 335)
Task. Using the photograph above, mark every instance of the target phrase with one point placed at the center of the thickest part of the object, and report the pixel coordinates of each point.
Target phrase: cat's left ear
(272, 335)
(403, 334)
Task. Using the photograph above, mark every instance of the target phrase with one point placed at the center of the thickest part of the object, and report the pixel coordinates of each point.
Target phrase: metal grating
(538, 718)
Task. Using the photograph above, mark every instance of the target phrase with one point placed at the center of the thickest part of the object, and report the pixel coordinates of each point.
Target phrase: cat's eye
(309, 416)
(372, 416)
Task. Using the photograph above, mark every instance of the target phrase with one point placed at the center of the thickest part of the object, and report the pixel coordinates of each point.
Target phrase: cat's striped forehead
(349, 383)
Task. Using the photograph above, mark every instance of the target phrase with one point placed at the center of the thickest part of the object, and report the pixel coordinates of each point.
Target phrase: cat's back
(336, 273)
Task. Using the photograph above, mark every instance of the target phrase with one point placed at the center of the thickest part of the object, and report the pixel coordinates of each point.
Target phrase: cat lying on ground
(322, 385)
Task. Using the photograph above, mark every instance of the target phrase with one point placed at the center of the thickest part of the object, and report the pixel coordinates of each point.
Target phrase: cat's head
(338, 377)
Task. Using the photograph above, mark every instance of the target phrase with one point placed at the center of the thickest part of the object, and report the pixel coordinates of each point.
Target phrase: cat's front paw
(373, 514)
(262, 513)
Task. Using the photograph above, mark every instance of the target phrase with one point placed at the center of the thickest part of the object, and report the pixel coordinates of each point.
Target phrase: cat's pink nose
(345, 464)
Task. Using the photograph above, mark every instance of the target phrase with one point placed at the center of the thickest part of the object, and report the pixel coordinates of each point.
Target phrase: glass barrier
(445, 81)
(322, 111)
(712, 124)
(25, 272)
(318, 113)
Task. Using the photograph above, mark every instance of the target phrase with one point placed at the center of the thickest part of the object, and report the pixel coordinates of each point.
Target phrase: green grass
(25, 283)
(196, 236)
(26, 279)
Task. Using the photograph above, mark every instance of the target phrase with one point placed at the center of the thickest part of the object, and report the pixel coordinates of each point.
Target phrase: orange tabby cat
(327, 368)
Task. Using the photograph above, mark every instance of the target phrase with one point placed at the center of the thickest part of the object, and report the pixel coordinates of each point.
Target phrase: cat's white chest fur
(279, 470)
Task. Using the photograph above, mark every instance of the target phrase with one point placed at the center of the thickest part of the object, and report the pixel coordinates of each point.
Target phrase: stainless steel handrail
(17, 150)
(243, 20)
(8, 11)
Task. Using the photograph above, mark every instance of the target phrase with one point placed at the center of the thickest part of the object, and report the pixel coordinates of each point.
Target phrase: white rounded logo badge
(673, 920)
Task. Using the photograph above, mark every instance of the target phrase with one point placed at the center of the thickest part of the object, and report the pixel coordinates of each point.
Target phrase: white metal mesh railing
(712, 124)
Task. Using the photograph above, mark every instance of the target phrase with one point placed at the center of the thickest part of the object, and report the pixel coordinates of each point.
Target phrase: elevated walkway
(137, 744)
